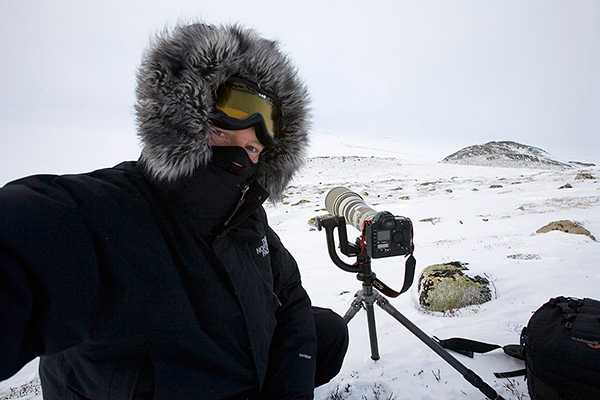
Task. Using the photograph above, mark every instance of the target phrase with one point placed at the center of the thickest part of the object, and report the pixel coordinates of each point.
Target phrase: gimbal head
(363, 265)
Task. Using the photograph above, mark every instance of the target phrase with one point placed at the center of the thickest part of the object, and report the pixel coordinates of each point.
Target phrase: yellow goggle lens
(240, 101)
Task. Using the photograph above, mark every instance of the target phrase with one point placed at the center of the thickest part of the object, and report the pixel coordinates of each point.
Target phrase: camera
(384, 235)
(388, 235)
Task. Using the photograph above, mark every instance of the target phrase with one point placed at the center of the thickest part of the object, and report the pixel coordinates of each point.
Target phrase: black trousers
(332, 344)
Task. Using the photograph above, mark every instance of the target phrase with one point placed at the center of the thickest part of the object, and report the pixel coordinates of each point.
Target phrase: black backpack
(561, 349)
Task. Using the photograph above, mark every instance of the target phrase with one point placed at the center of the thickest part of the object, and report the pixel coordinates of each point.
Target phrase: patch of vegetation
(32, 387)
(512, 386)
(301, 202)
(430, 183)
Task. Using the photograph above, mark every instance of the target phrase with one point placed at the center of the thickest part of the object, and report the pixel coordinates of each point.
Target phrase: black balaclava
(218, 188)
(233, 159)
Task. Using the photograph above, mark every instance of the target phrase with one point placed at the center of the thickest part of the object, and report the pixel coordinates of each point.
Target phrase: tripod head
(362, 267)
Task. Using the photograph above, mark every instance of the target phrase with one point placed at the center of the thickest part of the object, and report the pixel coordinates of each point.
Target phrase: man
(161, 278)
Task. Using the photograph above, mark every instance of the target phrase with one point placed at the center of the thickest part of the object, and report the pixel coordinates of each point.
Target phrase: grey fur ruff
(176, 84)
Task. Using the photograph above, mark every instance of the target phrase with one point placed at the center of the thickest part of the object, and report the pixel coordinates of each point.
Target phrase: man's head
(199, 77)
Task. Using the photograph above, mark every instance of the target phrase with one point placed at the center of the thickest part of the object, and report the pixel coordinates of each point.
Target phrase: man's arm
(18, 342)
(292, 357)
(46, 285)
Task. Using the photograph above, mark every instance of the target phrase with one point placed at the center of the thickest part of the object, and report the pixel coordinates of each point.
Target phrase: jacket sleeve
(42, 249)
(292, 357)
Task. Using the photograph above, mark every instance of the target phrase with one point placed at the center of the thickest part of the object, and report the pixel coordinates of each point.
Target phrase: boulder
(444, 287)
(567, 227)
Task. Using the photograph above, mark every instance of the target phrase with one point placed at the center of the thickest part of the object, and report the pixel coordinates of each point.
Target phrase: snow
(484, 216)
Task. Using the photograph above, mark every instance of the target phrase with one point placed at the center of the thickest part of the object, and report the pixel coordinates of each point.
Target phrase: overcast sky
(450, 73)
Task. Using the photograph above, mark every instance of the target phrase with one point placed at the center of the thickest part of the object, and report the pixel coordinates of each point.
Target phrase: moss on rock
(444, 287)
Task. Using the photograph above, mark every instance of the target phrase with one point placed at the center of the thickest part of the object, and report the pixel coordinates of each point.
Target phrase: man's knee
(332, 344)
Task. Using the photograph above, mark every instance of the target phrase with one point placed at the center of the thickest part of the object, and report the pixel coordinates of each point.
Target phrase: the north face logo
(264, 249)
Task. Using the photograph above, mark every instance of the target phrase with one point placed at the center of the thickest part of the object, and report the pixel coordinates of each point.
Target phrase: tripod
(368, 296)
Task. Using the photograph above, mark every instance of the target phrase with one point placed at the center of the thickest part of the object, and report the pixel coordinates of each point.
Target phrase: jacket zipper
(239, 204)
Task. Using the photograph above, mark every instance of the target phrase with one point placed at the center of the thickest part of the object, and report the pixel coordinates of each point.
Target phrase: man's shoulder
(121, 180)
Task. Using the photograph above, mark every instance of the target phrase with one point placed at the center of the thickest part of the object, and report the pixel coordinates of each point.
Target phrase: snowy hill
(509, 154)
(485, 216)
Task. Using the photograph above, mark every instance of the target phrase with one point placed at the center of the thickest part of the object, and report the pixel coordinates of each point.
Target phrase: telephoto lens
(343, 202)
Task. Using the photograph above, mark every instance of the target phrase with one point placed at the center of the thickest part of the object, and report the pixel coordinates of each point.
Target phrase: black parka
(112, 274)
(147, 279)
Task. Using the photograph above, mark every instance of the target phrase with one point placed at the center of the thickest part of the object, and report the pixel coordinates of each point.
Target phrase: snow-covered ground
(484, 216)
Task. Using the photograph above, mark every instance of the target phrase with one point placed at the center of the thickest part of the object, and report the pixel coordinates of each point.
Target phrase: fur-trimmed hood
(176, 86)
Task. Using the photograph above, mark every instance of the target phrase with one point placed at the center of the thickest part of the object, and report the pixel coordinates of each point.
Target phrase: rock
(313, 221)
(584, 175)
(567, 227)
(526, 256)
(303, 201)
(444, 287)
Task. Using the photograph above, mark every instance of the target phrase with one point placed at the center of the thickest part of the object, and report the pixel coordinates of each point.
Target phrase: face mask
(233, 159)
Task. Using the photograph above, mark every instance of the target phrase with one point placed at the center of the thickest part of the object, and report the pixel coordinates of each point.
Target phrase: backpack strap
(510, 374)
(468, 347)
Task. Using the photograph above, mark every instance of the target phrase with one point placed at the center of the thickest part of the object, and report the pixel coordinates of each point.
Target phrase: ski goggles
(241, 104)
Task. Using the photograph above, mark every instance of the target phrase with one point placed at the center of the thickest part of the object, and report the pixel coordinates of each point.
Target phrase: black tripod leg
(372, 331)
(361, 300)
(469, 375)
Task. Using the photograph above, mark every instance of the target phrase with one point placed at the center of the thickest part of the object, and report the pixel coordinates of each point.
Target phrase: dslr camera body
(387, 235)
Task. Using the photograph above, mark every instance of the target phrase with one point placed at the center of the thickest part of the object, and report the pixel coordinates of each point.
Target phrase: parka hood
(177, 81)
